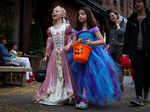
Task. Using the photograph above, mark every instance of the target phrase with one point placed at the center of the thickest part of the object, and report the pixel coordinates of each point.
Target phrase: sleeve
(49, 44)
(75, 32)
(95, 29)
(122, 33)
(126, 39)
(123, 26)
(68, 35)
(120, 38)
(4, 51)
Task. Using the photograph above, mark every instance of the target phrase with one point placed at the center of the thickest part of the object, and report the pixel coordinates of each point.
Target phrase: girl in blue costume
(96, 81)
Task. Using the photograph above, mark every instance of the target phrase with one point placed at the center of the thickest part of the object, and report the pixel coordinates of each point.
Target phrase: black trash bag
(40, 75)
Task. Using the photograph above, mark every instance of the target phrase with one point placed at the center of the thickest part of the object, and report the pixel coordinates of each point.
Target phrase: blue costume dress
(96, 81)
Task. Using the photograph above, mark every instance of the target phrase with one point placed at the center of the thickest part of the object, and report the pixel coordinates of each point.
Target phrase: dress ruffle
(96, 81)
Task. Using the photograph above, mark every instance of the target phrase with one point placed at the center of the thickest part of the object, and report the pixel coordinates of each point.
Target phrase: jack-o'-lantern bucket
(81, 53)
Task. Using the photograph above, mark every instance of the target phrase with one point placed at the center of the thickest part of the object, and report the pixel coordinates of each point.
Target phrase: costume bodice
(58, 37)
(87, 35)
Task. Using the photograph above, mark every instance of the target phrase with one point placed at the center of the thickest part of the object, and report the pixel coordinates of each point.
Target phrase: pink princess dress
(57, 87)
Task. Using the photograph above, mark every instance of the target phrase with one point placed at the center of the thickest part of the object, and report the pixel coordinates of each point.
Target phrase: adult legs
(146, 76)
(138, 65)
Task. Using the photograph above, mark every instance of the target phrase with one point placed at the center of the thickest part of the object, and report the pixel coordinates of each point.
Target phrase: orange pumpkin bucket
(81, 53)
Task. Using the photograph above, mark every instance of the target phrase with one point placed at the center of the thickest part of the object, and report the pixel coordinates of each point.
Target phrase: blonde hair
(63, 14)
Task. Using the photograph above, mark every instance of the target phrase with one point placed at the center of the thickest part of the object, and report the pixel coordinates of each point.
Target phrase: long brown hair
(91, 21)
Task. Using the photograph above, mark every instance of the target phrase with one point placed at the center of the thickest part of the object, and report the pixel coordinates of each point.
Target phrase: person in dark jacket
(116, 35)
(5, 56)
(137, 46)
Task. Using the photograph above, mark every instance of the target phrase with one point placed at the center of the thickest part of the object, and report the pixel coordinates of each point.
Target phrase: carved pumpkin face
(81, 53)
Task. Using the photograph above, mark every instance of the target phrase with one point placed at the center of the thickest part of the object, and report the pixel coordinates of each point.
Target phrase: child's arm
(49, 46)
(68, 37)
(75, 41)
(100, 40)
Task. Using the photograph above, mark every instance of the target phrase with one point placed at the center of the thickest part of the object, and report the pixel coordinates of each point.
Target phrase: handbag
(125, 61)
(41, 73)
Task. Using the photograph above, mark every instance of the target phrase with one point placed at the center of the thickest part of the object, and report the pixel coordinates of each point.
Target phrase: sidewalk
(19, 99)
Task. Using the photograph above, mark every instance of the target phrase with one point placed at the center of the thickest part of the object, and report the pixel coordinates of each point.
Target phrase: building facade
(124, 7)
(27, 12)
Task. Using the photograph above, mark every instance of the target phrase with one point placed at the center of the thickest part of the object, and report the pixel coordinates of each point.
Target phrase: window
(101, 2)
(115, 2)
(122, 5)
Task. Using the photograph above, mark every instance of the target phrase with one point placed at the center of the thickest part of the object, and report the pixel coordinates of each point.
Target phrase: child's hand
(75, 42)
(67, 47)
(44, 59)
(107, 47)
(88, 42)
(79, 40)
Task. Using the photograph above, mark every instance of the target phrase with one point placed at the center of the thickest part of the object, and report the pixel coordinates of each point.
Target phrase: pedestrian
(116, 40)
(137, 47)
(96, 81)
(57, 87)
(9, 59)
(13, 51)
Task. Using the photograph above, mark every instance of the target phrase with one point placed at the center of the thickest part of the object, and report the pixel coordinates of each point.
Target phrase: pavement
(19, 99)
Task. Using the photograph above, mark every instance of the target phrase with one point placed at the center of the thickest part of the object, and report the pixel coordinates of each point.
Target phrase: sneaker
(77, 106)
(82, 105)
(137, 101)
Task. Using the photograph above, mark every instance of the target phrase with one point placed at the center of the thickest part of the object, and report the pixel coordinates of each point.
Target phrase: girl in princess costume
(57, 87)
(96, 82)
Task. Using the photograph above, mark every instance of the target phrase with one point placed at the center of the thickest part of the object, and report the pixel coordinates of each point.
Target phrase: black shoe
(137, 101)
(146, 100)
